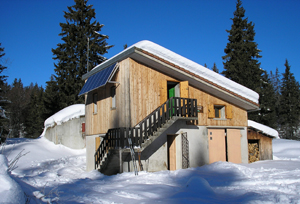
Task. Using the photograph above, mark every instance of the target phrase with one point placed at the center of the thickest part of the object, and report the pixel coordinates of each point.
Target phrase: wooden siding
(148, 90)
(265, 144)
(146, 85)
(141, 90)
(238, 116)
(107, 117)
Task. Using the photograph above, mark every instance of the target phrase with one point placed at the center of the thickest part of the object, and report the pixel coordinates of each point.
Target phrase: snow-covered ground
(56, 174)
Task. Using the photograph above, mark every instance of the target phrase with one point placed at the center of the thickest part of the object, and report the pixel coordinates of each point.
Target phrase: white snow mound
(64, 115)
(10, 191)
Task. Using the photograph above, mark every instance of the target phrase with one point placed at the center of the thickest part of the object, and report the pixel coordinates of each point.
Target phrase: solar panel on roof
(97, 80)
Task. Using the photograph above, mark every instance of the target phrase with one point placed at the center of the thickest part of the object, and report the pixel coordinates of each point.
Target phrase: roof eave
(117, 58)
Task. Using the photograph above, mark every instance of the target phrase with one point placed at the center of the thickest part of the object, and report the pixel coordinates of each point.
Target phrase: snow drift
(56, 174)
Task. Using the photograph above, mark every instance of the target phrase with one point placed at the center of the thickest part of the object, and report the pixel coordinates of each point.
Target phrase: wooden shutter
(228, 110)
(211, 111)
(184, 89)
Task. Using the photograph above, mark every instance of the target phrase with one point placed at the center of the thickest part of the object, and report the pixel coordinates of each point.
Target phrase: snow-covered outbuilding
(67, 127)
(260, 141)
(176, 113)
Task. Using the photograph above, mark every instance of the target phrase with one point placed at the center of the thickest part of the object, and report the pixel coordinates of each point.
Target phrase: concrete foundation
(155, 156)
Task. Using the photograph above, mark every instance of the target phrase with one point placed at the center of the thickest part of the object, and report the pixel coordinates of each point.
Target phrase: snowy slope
(56, 174)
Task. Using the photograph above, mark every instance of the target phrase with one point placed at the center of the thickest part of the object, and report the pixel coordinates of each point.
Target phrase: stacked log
(253, 152)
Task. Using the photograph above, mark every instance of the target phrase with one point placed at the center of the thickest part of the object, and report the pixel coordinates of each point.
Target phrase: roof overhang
(178, 73)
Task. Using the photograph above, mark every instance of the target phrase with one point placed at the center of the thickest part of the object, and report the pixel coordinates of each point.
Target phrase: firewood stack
(253, 152)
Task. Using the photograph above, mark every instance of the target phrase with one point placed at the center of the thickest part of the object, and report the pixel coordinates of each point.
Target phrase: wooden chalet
(172, 112)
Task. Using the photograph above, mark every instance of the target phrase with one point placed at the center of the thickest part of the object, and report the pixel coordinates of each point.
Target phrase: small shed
(260, 141)
(67, 127)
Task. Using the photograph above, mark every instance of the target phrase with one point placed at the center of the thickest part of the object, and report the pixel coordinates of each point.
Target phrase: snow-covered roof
(263, 128)
(197, 69)
(183, 64)
(64, 115)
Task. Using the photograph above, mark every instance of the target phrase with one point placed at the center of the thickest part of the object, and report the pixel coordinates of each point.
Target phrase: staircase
(143, 134)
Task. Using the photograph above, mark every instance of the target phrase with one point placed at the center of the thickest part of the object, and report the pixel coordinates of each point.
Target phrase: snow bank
(197, 69)
(10, 191)
(66, 114)
(265, 129)
(286, 150)
(54, 173)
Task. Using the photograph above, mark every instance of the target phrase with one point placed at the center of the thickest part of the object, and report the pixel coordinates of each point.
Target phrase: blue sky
(194, 29)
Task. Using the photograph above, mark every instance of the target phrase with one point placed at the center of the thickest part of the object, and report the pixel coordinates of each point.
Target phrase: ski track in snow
(60, 177)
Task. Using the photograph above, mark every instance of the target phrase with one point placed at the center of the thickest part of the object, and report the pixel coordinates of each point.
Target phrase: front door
(171, 152)
(172, 94)
(234, 145)
(216, 145)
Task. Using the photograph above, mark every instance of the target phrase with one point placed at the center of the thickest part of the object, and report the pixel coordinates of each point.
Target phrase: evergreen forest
(23, 109)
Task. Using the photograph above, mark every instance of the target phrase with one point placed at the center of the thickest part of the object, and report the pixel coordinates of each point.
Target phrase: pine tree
(34, 122)
(3, 100)
(19, 97)
(205, 65)
(79, 32)
(267, 113)
(51, 99)
(289, 108)
(241, 60)
(2, 67)
(276, 82)
(215, 69)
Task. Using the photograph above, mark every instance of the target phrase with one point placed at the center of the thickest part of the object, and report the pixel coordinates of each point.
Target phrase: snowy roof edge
(182, 62)
(265, 129)
(64, 115)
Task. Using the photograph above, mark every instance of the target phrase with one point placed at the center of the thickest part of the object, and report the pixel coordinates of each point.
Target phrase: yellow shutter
(184, 89)
(211, 111)
(228, 110)
(163, 91)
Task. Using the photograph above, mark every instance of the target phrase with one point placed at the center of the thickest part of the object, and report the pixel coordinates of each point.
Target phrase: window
(95, 99)
(113, 97)
(219, 111)
(216, 111)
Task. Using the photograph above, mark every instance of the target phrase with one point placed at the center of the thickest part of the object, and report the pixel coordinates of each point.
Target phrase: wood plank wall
(145, 85)
(107, 117)
(145, 93)
(239, 116)
(141, 86)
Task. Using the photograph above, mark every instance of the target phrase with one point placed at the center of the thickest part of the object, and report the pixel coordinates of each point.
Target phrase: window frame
(95, 100)
(221, 112)
(113, 97)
